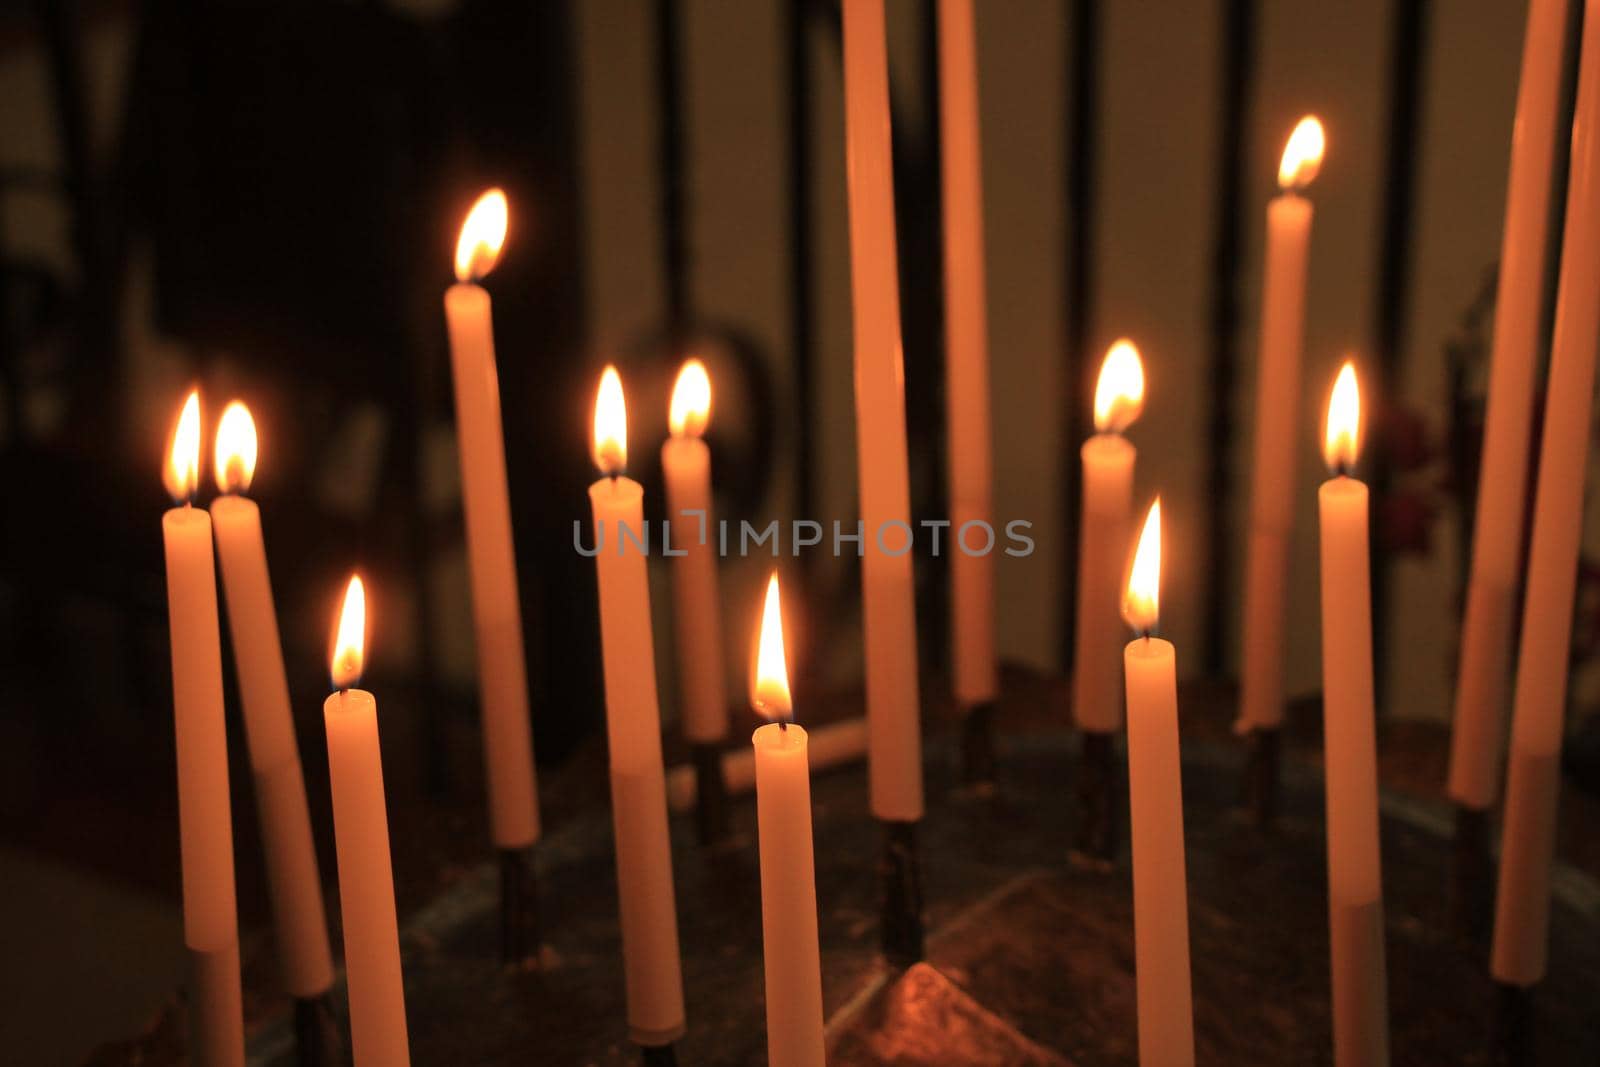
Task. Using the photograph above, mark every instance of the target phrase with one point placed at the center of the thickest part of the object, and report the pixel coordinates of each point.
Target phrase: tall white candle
(633, 730)
(888, 595)
(1108, 460)
(1487, 634)
(974, 676)
(294, 883)
(790, 951)
(696, 602)
(496, 611)
(1277, 440)
(205, 819)
(1155, 816)
(361, 834)
(1355, 883)
(1522, 905)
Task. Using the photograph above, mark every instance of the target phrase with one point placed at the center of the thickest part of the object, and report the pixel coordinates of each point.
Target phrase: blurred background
(263, 198)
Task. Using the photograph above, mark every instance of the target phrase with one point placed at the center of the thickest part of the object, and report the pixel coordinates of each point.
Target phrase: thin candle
(1488, 631)
(645, 892)
(1355, 882)
(894, 762)
(1155, 815)
(361, 835)
(205, 823)
(790, 951)
(1108, 462)
(697, 609)
(1522, 903)
(974, 676)
(491, 559)
(1277, 429)
(295, 885)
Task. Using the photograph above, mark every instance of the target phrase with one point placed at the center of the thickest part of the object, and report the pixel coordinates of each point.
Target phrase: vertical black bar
(1237, 56)
(801, 304)
(1082, 130)
(1407, 74)
(669, 132)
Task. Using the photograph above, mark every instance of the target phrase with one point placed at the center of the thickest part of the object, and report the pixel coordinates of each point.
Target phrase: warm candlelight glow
(182, 473)
(610, 424)
(691, 400)
(770, 691)
(1119, 393)
(235, 456)
(349, 646)
(1141, 605)
(1302, 156)
(478, 247)
(1343, 437)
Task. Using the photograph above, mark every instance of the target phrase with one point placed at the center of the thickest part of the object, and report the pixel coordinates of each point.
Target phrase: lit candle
(894, 763)
(788, 876)
(1108, 460)
(496, 611)
(1155, 815)
(633, 731)
(975, 679)
(361, 834)
(697, 609)
(205, 820)
(1522, 905)
(1355, 884)
(1277, 443)
(292, 878)
(1489, 628)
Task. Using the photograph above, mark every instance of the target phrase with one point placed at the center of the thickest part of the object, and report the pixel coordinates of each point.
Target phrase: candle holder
(1472, 874)
(316, 1033)
(977, 745)
(519, 910)
(659, 1055)
(901, 875)
(1262, 774)
(1095, 840)
(711, 794)
(1513, 1027)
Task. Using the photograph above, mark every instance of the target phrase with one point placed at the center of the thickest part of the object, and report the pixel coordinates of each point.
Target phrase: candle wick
(783, 726)
(1145, 633)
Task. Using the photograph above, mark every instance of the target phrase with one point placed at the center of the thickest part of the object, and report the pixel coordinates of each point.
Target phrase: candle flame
(182, 473)
(1119, 393)
(482, 235)
(610, 424)
(1342, 440)
(1302, 155)
(691, 400)
(235, 455)
(769, 694)
(1141, 605)
(350, 639)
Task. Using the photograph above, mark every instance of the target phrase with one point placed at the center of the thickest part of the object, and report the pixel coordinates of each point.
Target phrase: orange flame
(769, 693)
(1141, 605)
(1302, 155)
(182, 473)
(691, 400)
(235, 456)
(482, 235)
(610, 424)
(1342, 439)
(1119, 392)
(350, 640)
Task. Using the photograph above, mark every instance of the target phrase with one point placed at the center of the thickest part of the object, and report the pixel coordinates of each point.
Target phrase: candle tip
(235, 456)
(483, 234)
(1119, 391)
(610, 424)
(1302, 155)
(350, 636)
(1141, 603)
(691, 400)
(1342, 439)
(181, 475)
(769, 690)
